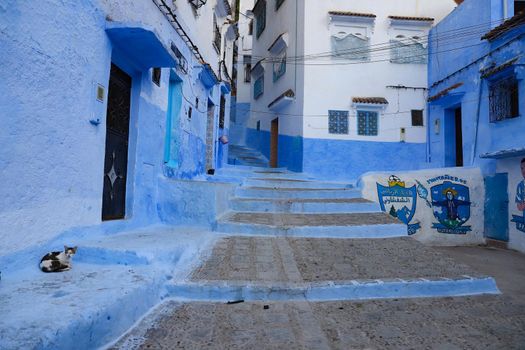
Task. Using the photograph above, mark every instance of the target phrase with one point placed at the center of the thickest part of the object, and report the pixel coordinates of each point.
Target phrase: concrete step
(293, 183)
(352, 205)
(356, 225)
(291, 193)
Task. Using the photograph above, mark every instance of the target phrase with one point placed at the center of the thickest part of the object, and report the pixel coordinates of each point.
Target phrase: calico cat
(58, 261)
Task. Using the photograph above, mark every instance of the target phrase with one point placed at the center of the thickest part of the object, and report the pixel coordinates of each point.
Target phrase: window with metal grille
(338, 122)
(155, 76)
(408, 50)
(197, 3)
(279, 66)
(351, 46)
(504, 99)
(278, 4)
(260, 17)
(417, 117)
(367, 123)
(258, 87)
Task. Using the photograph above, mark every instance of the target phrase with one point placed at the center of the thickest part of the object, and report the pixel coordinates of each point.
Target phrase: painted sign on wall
(520, 201)
(450, 204)
(399, 201)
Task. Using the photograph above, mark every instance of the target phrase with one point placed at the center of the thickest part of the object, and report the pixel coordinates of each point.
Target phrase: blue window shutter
(367, 123)
(337, 122)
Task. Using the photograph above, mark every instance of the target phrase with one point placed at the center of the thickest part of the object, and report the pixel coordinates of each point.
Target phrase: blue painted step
(357, 231)
(293, 183)
(289, 193)
(302, 206)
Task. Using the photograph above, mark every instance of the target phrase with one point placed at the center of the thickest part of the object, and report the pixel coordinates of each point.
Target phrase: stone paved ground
(482, 322)
(298, 220)
(322, 259)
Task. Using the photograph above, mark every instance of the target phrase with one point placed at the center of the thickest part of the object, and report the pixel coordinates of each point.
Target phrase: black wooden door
(117, 133)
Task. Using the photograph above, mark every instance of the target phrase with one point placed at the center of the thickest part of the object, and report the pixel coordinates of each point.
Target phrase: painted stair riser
(364, 231)
(246, 192)
(223, 291)
(302, 207)
(295, 184)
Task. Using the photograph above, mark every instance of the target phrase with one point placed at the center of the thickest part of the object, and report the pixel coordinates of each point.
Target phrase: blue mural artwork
(520, 201)
(451, 207)
(400, 200)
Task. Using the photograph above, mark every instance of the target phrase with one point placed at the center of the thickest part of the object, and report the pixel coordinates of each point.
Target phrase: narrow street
(269, 281)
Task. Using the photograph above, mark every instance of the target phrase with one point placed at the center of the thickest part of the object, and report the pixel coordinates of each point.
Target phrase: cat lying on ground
(58, 261)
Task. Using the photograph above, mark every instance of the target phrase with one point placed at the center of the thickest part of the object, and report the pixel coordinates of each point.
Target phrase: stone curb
(224, 291)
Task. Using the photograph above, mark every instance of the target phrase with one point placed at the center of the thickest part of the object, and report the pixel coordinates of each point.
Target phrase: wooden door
(274, 143)
(117, 135)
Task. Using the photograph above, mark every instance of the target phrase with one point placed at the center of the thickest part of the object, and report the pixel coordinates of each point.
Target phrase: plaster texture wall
(54, 55)
(330, 83)
(479, 134)
(512, 167)
(423, 193)
(287, 19)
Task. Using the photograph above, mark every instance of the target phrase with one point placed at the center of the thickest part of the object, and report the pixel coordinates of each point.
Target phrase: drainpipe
(505, 9)
(296, 45)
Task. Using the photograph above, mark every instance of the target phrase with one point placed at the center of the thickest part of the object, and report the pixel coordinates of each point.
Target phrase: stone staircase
(279, 202)
(241, 155)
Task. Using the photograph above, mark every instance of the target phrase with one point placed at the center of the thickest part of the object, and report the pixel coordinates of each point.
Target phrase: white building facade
(339, 87)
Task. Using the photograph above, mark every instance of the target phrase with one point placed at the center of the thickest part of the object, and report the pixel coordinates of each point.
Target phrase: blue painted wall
(347, 160)
(463, 67)
(51, 156)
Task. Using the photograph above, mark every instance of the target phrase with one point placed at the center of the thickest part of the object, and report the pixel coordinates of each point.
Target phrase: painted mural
(450, 201)
(399, 201)
(520, 201)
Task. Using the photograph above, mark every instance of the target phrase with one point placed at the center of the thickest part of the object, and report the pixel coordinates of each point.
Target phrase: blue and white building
(339, 88)
(103, 105)
(476, 106)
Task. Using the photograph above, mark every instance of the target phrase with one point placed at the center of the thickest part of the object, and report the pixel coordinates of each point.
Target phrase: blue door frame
(172, 144)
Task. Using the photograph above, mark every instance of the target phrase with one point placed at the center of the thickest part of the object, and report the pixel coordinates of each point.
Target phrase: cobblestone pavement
(482, 322)
(313, 219)
(322, 259)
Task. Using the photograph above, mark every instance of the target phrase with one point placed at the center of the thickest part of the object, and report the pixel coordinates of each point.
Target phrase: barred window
(279, 66)
(504, 99)
(351, 46)
(338, 122)
(408, 50)
(367, 123)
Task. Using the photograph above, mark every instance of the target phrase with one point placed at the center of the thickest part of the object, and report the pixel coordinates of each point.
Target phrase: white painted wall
(424, 214)
(244, 44)
(511, 166)
(333, 86)
(287, 19)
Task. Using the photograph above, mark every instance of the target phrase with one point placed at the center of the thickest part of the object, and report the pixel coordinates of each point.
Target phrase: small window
(417, 117)
(279, 66)
(351, 44)
(247, 61)
(367, 123)
(222, 111)
(260, 17)
(190, 110)
(258, 125)
(155, 76)
(278, 4)
(338, 122)
(258, 87)
(504, 99)
(250, 27)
